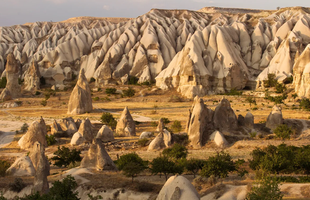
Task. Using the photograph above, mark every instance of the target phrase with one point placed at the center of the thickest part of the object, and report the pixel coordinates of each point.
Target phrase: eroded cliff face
(196, 52)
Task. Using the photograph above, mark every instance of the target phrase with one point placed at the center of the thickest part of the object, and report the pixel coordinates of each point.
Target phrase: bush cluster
(110, 90)
(129, 92)
(65, 156)
(108, 119)
(281, 159)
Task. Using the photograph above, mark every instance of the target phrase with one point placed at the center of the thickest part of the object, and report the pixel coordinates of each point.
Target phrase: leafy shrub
(37, 93)
(129, 92)
(108, 119)
(253, 134)
(283, 131)
(181, 139)
(4, 165)
(110, 90)
(17, 185)
(280, 88)
(176, 126)
(277, 99)
(165, 120)
(154, 124)
(133, 80)
(294, 96)
(50, 139)
(44, 102)
(131, 164)
(218, 166)
(305, 104)
(96, 99)
(143, 142)
(175, 152)
(271, 81)
(267, 189)
(255, 108)
(24, 127)
(64, 189)
(251, 100)
(162, 164)
(47, 96)
(3, 82)
(65, 156)
(289, 80)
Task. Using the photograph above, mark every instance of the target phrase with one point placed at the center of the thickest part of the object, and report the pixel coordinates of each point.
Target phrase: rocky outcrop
(161, 141)
(42, 167)
(32, 77)
(178, 188)
(86, 130)
(105, 134)
(12, 70)
(160, 126)
(224, 117)
(219, 139)
(200, 122)
(77, 139)
(97, 157)
(21, 167)
(36, 133)
(56, 129)
(126, 125)
(80, 99)
(275, 118)
(249, 120)
(5, 95)
(68, 126)
(146, 135)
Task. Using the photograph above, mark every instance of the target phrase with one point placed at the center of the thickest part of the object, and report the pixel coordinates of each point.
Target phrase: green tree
(64, 189)
(194, 165)
(131, 164)
(163, 164)
(108, 119)
(267, 189)
(218, 166)
(176, 126)
(305, 104)
(176, 152)
(65, 156)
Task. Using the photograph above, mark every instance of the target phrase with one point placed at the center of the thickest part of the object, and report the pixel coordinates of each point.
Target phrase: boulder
(42, 167)
(249, 120)
(161, 141)
(5, 95)
(219, 139)
(105, 134)
(126, 125)
(36, 133)
(275, 118)
(178, 188)
(56, 129)
(77, 139)
(68, 126)
(224, 118)
(146, 135)
(200, 122)
(80, 99)
(21, 167)
(86, 130)
(97, 157)
(32, 77)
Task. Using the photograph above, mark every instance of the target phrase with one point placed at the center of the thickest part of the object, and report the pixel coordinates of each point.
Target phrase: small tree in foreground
(162, 164)
(267, 189)
(194, 165)
(108, 119)
(65, 157)
(131, 164)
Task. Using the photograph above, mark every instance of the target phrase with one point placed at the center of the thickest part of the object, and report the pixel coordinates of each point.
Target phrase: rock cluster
(275, 118)
(161, 141)
(32, 78)
(126, 125)
(80, 99)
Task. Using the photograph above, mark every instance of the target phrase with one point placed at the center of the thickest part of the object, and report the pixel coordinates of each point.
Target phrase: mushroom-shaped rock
(200, 121)
(126, 125)
(146, 135)
(105, 134)
(86, 130)
(5, 95)
(249, 120)
(77, 139)
(21, 167)
(224, 117)
(275, 118)
(160, 126)
(80, 99)
(32, 77)
(162, 140)
(42, 167)
(97, 157)
(219, 139)
(178, 188)
(12, 73)
(36, 132)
